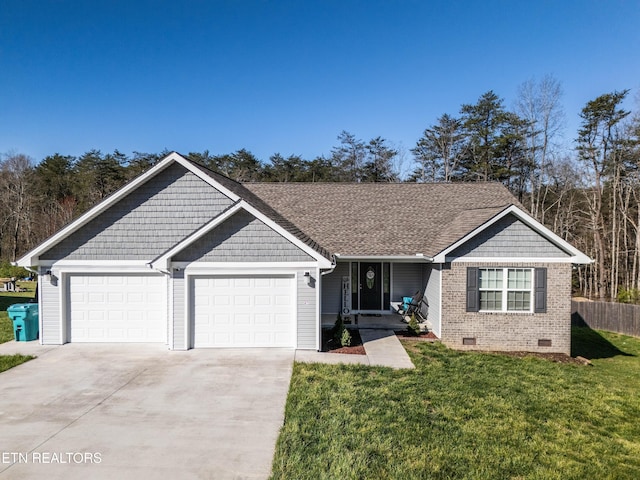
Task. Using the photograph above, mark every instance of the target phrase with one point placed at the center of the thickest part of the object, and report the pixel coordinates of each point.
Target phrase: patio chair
(418, 307)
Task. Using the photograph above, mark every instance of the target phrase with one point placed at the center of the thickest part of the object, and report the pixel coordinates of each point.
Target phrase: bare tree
(15, 171)
(539, 104)
(598, 147)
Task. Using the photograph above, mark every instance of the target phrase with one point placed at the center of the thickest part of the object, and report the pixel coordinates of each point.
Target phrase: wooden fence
(615, 317)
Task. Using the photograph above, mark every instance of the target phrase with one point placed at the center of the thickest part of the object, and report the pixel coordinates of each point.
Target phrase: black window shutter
(472, 290)
(540, 305)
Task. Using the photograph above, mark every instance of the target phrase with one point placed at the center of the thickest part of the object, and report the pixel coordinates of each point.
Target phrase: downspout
(334, 263)
(28, 269)
(169, 304)
(333, 267)
(166, 272)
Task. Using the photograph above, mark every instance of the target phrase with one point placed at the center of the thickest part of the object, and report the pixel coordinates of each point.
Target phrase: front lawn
(468, 416)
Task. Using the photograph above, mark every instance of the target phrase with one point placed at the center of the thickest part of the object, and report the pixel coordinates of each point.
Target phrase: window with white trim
(505, 289)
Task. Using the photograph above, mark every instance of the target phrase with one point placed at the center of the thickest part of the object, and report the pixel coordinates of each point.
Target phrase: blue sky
(289, 76)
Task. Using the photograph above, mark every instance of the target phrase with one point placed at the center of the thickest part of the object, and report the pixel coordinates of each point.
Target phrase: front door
(370, 286)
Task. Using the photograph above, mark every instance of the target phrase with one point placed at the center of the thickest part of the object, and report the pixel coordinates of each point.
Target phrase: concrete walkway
(382, 348)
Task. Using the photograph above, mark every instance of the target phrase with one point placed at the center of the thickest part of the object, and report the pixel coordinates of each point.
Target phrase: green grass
(464, 415)
(10, 361)
(6, 300)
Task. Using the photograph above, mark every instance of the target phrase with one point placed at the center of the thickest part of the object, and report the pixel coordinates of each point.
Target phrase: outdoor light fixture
(307, 278)
(47, 276)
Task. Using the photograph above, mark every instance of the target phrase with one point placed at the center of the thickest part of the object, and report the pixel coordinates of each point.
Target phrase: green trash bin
(25, 321)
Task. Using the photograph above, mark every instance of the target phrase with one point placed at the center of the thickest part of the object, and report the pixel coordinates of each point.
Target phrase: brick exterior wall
(507, 331)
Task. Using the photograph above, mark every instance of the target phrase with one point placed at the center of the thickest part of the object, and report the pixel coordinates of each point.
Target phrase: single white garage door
(238, 311)
(117, 308)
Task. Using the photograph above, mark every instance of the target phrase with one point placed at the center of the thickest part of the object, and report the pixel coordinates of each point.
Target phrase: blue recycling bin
(25, 321)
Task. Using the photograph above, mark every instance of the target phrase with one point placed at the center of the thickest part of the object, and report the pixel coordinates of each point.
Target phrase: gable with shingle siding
(242, 238)
(153, 218)
(508, 237)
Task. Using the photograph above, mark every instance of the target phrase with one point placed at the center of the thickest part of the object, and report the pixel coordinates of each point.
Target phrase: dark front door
(370, 286)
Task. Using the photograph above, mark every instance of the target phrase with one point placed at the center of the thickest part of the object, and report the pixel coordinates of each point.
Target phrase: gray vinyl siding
(432, 294)
(50, 312)
(509, 237)
(307, 312)
(242, 238)
(332, 288)
(406, 279)
(147, 222)
(178, 317)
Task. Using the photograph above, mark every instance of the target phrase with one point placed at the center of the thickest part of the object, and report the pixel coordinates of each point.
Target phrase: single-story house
(187, 257)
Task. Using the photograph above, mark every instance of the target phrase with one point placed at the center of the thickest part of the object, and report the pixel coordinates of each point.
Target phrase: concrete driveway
(140, 411)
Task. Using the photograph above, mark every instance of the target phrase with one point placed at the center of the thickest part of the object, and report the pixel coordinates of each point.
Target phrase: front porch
(387, 321)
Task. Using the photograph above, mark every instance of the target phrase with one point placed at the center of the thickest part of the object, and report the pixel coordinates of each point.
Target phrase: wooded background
(585, 187)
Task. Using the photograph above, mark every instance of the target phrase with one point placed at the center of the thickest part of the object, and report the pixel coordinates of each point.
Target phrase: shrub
(340, 333)
(9, 271)
(631, 295)
(345, 338)
(338, 328)
(413, 328)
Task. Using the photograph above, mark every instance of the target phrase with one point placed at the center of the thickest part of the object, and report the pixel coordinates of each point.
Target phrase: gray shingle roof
(375, 219)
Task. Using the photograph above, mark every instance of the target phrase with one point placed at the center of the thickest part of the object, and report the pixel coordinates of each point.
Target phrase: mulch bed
(331, 346)
(425, 337)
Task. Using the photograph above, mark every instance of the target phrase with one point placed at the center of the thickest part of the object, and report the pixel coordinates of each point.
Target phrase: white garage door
(231, 311)
(117, 308)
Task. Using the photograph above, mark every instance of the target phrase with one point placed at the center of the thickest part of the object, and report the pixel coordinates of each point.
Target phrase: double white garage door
(225, 311)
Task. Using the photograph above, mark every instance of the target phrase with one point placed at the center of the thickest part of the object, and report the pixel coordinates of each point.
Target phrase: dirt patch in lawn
(553, 357)
(329, 344)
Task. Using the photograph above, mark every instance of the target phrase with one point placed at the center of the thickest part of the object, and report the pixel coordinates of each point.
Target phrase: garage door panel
(221, 300)
(91, 280)
(241, 300)
(117, 308)
(243, 311)
(262, 300)
(242, 282)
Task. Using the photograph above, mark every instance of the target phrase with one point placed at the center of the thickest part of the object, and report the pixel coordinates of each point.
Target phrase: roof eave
(418, 257)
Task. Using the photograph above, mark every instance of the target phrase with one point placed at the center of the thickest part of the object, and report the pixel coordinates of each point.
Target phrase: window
(507, 289)
(519, 287)
(490, 287)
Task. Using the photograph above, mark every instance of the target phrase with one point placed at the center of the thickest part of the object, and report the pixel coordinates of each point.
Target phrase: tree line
(588, 193)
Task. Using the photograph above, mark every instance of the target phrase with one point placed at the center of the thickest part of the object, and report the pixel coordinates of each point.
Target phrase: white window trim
(505, 289)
